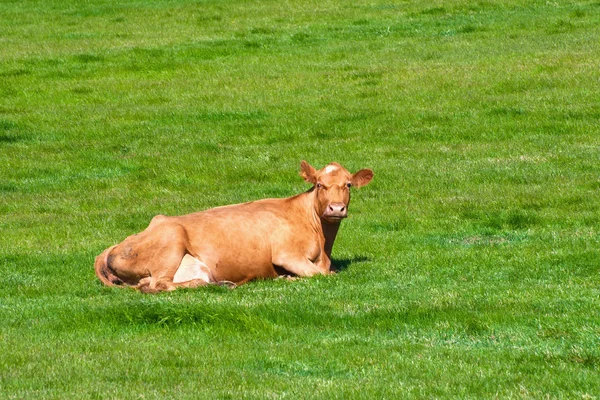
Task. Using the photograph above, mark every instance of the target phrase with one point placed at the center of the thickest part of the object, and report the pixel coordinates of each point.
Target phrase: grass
(469, 264)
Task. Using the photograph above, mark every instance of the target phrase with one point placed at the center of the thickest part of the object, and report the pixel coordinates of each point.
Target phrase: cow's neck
(330, 231)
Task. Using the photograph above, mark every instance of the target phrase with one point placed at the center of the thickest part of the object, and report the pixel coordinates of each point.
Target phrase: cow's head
(332, 188)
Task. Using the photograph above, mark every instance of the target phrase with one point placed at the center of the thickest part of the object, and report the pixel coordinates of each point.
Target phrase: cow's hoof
(227, 284)
(146, 289)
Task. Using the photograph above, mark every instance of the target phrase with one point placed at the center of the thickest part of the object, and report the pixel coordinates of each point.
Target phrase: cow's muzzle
(335, 211)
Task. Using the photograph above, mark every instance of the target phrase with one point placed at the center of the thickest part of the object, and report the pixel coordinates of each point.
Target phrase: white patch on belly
(330, 168)
(191, 268)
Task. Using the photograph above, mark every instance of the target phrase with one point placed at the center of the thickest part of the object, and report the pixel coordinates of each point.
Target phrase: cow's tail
(103, 271)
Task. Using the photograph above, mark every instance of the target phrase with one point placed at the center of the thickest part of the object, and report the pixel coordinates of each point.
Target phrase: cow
(234, 244)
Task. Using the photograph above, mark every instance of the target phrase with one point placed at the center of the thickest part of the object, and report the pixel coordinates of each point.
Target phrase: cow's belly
(237, 245)
(192, 268)
(241, 271)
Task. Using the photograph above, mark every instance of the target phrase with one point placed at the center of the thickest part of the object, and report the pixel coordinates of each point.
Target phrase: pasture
(469, 267)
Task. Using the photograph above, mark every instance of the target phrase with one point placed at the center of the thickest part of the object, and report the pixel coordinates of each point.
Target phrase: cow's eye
(319, 186)
(349, 184)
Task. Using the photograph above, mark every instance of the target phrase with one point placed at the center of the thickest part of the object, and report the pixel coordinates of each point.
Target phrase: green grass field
(470, 266)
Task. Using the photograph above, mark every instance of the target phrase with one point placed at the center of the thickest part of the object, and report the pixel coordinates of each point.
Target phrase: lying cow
(237, 243)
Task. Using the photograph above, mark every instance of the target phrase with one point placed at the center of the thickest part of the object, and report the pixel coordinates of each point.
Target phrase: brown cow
(237, 243)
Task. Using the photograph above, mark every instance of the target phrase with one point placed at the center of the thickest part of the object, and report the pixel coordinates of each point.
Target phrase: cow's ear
(362, 178)
(308, 172)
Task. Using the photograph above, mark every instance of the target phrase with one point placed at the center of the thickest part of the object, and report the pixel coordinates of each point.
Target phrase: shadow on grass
(9, 139)
(340, 265)
(337, 265)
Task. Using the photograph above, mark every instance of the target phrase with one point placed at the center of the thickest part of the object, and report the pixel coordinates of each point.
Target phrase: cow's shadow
(341, 264)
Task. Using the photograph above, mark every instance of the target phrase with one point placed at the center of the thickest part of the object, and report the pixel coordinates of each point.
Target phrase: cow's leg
(190, 273)
(194, 283)
(166, 259)
(303, 267)
(148, 261)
